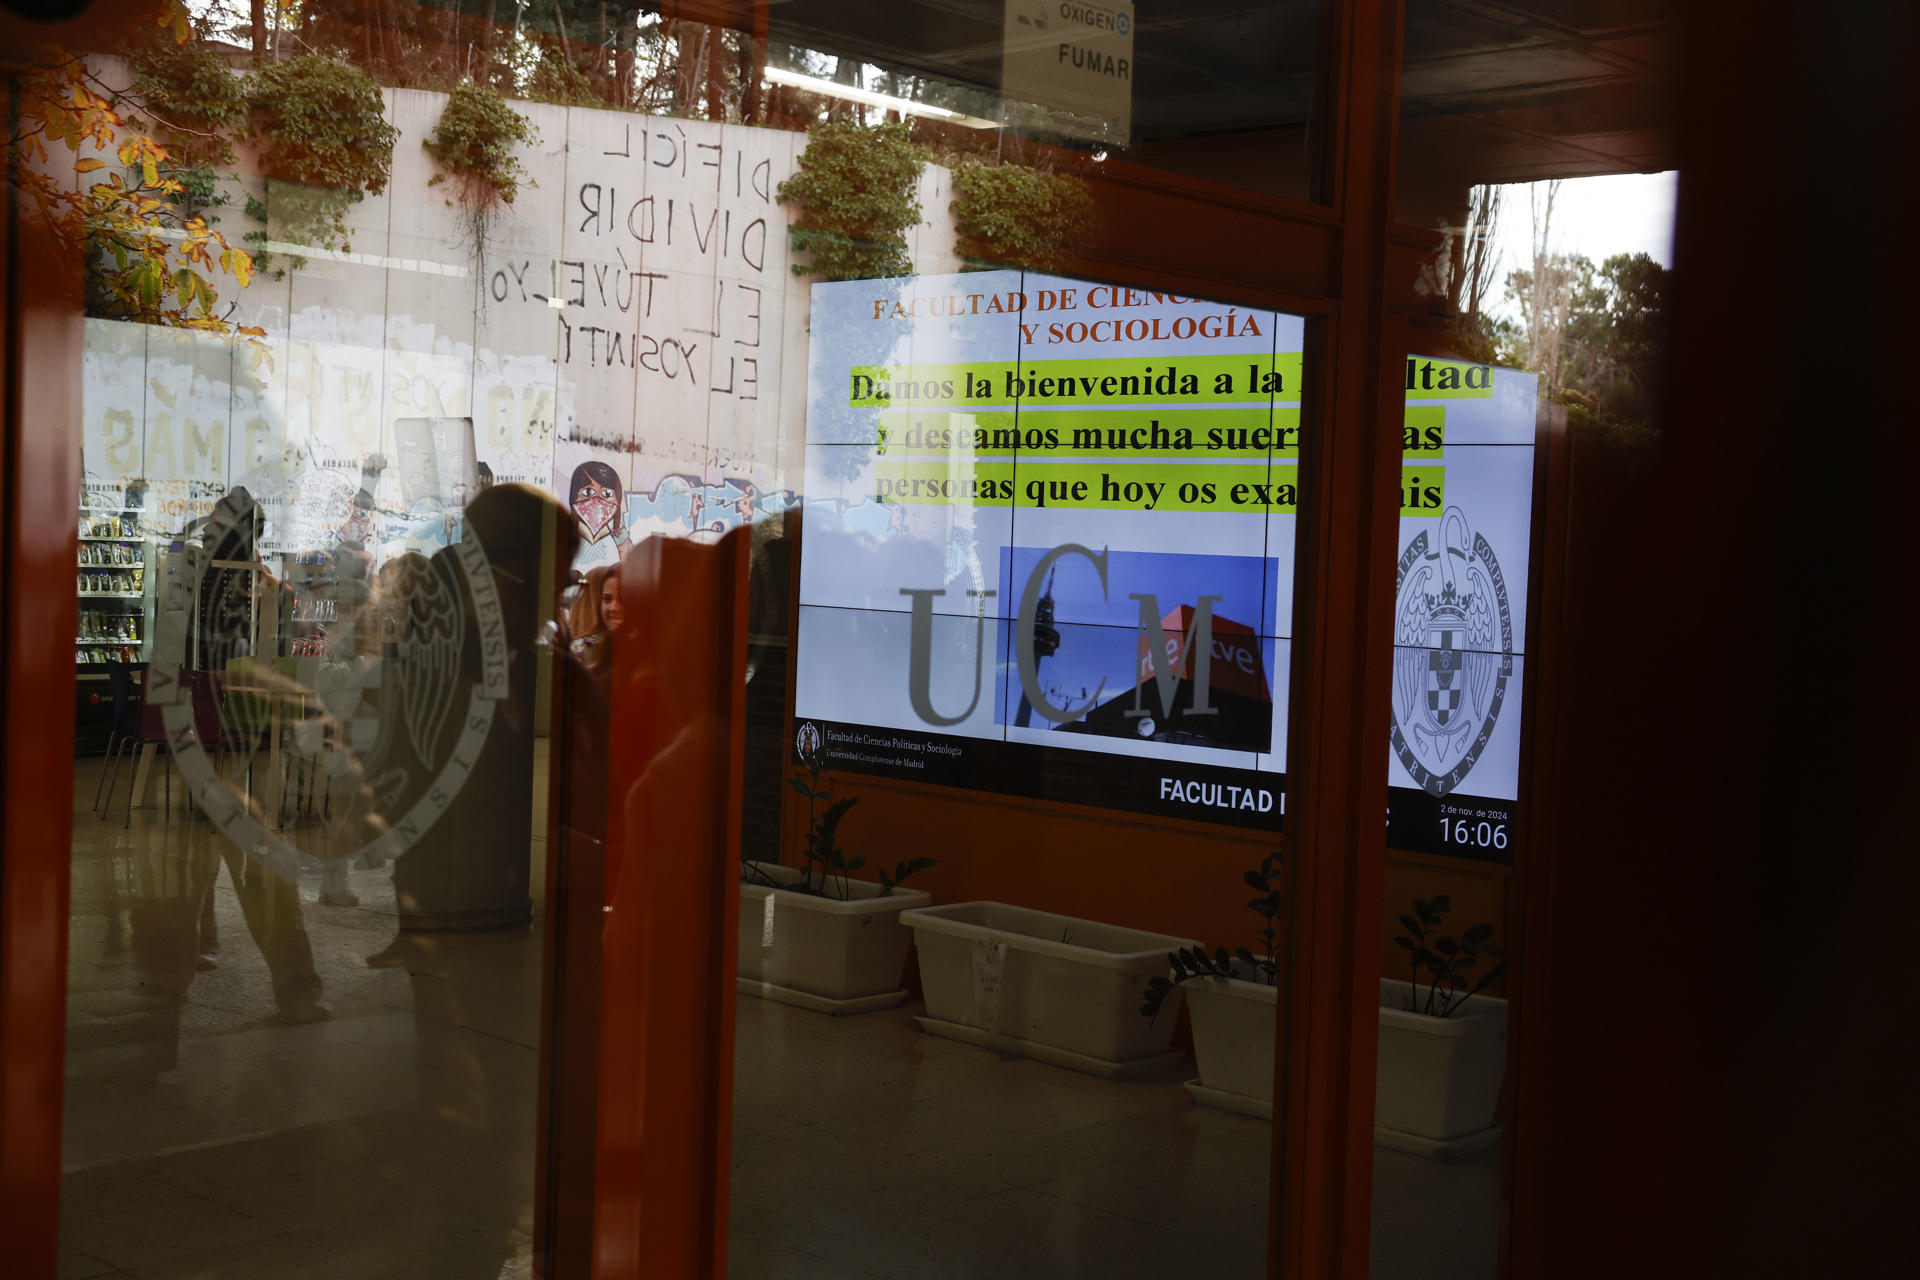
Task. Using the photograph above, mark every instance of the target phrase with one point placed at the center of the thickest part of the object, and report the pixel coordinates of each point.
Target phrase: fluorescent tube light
(905, 106)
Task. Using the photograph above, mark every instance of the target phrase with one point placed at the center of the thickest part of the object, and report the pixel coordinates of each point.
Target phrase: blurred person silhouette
(462, 884)
(241, 609)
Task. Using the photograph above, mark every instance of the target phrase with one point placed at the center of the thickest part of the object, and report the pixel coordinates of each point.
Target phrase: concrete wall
(677, 353)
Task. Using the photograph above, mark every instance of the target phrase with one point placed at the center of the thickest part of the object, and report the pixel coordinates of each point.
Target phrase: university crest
(1453, 653)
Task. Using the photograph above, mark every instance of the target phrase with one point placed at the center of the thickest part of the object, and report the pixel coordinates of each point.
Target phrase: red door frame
(41, 337)
(1322, 1178)
(665, 1140)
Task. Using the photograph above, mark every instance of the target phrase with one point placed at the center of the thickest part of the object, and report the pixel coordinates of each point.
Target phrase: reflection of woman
(593, 618)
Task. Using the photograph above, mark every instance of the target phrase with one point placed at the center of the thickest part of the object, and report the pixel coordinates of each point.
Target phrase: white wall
(679, 356)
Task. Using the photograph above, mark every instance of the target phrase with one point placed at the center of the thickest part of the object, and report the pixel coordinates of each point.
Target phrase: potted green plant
(1442, 1052)
(814, 936)
(1234, 1002)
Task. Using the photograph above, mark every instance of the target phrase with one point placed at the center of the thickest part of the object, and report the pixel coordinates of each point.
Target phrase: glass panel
(321, 538)
(1040, 664)
(419, 318)
(1222, 90)
(1535, 175)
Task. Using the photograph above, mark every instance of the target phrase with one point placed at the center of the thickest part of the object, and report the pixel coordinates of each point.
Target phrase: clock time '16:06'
(1477, 835)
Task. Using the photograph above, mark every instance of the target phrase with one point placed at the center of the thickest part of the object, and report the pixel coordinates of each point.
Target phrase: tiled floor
(207, 1137)
(864, 1147)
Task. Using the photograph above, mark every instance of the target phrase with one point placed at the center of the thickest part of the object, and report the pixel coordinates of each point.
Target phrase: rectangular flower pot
(1437, 1081)
(1234, 1025)
(834, 950)
(1053, 987)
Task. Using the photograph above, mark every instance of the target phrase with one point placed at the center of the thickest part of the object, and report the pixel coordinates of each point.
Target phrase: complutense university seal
(371, 724)
(1453, 653)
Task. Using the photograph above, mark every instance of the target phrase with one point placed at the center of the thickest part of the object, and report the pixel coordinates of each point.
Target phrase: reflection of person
(593, 618)
(467, 873)
(240, 613)
(597, 502)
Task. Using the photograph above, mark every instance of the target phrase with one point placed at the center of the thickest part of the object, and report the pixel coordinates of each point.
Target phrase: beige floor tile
(75, 1265)
(395, 1141)
(167, 1229)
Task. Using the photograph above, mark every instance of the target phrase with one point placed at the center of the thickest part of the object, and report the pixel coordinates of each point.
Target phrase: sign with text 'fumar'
(1049, 541)
(1075, 56)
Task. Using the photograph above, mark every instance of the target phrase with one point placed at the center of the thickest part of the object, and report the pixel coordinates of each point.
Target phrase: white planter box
(1437, 1080)
(1052, 987)
(1234, 1026)
(823, 953)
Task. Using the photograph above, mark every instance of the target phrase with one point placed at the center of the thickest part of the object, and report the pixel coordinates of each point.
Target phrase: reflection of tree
(1469, 267)
(1598, 339)
(1595, 335)
(849, 337)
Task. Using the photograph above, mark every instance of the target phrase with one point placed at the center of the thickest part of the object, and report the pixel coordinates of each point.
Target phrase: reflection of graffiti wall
(634, 306)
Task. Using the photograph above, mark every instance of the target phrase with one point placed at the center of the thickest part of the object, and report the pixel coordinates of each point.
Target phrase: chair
(149, 734)
(121, 723)
(150, 737)
(254, 709)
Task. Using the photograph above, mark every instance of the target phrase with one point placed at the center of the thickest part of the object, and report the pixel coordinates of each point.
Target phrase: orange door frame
(672, 912)
(41, 336)
(1322, 1179)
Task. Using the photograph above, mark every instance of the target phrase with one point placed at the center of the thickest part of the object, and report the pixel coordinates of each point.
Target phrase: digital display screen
(1049, 551)
(1460, 609)
(1049, 540)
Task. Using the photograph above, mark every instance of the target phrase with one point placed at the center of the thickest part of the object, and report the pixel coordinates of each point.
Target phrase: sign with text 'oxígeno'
(1075, 56)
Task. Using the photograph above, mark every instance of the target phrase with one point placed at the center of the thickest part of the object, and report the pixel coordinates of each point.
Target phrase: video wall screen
(1049, 542)
(1049, 552)
(1460, 609)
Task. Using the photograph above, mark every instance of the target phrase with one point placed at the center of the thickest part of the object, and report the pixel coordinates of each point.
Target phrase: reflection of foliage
(1008, 215)
(1464, 273)
(474, 142)
(147, 259)
(1485, 339)
(822, 854)
(1243, 963)
(855, 189)
(326, 146)
(557, 80)
(1604, 355)
(194, 102)
(851, 338)
(1448, 962)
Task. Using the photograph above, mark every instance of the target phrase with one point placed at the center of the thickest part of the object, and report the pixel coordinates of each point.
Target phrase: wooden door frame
(41, 339)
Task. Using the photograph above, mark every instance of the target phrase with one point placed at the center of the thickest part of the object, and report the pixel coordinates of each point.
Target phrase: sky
(1598, 217)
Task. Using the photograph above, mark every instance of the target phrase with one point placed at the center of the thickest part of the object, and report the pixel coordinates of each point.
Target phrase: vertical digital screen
(1460, 608)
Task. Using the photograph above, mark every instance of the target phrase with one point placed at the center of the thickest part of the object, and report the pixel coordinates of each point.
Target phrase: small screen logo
(807, 742)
